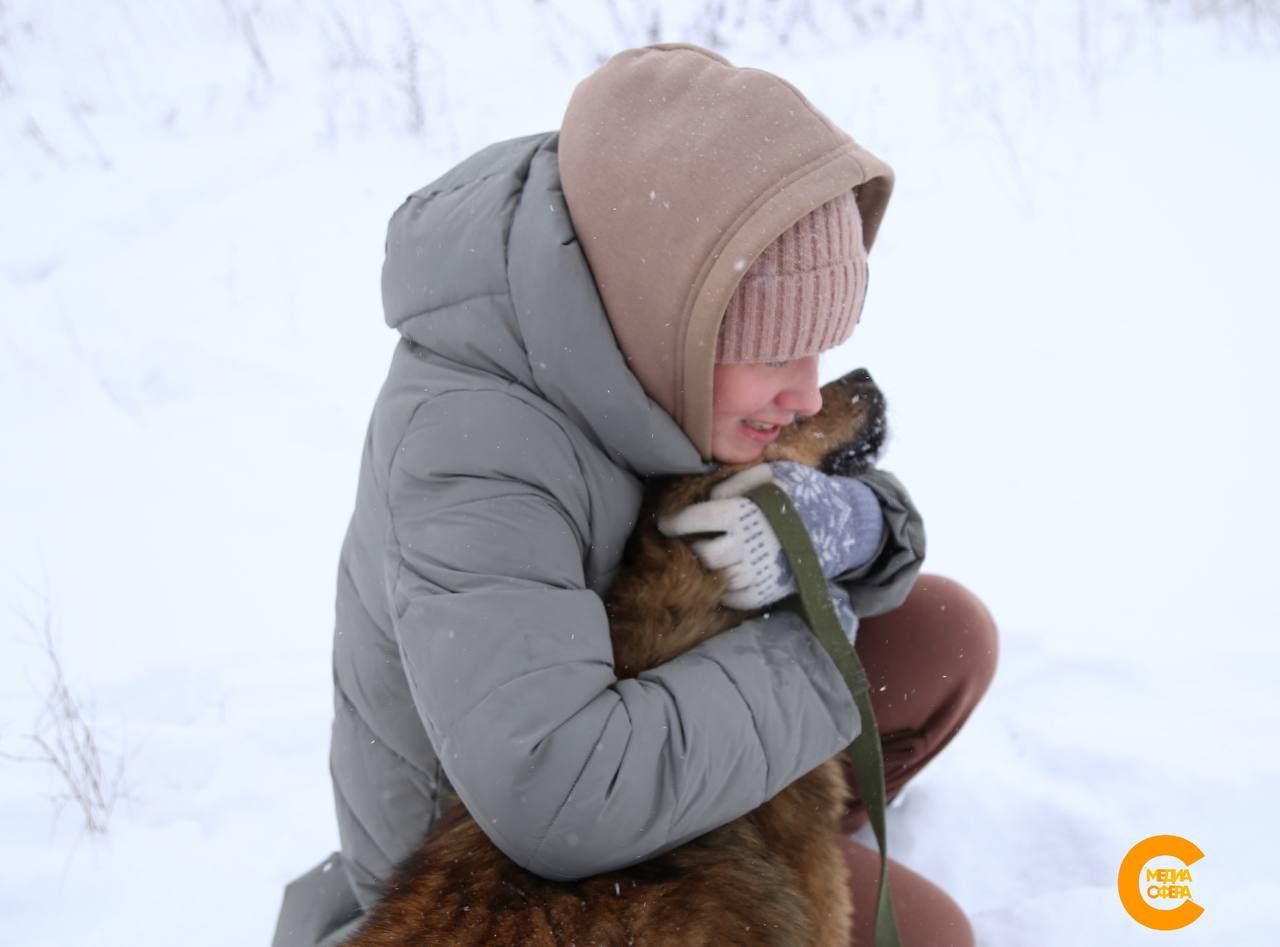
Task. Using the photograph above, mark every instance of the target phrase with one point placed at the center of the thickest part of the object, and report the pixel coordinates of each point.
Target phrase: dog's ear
(843, 438)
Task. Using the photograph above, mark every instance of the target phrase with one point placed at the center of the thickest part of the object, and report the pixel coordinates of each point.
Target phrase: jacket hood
(484, 275)
(679, 169)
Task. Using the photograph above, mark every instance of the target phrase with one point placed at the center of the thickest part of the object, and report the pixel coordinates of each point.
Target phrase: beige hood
(678, 169)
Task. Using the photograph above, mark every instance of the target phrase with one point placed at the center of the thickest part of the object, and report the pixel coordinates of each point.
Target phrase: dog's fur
(774, 877)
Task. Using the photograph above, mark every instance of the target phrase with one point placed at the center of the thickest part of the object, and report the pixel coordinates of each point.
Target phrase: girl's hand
(747, 549)
(842, 515)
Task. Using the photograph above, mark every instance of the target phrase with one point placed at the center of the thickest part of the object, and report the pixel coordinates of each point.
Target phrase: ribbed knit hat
(803, 294)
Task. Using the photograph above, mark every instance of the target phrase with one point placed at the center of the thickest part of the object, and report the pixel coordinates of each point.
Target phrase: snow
(1072, 314)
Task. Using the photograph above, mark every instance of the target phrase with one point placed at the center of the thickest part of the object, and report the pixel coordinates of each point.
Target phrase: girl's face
(771, 393)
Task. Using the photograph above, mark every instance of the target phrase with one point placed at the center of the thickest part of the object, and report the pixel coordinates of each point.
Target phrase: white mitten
(841, 514)
(748, 550)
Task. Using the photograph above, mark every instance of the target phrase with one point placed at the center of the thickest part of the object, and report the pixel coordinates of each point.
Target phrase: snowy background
(1074, 315)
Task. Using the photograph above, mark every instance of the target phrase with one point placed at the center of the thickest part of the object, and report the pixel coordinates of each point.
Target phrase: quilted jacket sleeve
(570, 770)
(882, 583)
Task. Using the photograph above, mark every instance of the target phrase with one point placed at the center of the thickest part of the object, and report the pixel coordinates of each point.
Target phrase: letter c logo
(1129, 882)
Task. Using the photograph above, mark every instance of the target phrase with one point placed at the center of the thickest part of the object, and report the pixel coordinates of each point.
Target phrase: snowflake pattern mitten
(842, 515)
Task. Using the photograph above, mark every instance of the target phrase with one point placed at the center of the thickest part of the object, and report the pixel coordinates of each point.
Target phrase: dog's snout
(862, 376)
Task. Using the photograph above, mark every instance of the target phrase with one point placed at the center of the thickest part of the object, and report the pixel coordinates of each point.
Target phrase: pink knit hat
(803, 294)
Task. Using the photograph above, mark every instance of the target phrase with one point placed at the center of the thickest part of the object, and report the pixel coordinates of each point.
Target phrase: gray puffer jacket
(501, 476)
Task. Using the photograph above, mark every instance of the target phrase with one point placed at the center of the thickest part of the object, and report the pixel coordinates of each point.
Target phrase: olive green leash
(819, 611)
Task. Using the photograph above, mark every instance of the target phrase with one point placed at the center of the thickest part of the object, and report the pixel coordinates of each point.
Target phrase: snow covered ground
(1074, 315)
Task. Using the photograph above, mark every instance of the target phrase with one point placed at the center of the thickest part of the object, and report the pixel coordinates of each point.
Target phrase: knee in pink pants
(928, 662)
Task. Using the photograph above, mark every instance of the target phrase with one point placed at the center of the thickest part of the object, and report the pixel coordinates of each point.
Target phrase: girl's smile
(753, 401)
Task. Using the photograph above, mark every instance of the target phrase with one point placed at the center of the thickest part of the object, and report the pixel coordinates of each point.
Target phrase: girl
(643, 292)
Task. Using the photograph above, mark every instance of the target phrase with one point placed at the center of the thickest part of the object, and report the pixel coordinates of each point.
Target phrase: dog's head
(845, 436)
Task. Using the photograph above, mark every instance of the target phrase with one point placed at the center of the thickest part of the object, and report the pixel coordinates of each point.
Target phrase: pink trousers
(929, 662)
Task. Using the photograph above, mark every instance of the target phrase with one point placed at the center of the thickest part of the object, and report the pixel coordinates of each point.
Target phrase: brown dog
(773, 877)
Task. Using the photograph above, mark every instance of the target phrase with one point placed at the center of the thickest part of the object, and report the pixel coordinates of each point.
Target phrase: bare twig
(243, 20)
(348, 51)
(63, 738)
(408, 66)
(33, 131)
(6, 86)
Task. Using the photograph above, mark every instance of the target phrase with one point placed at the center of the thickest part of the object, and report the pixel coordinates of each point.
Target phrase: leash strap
(820, 613)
